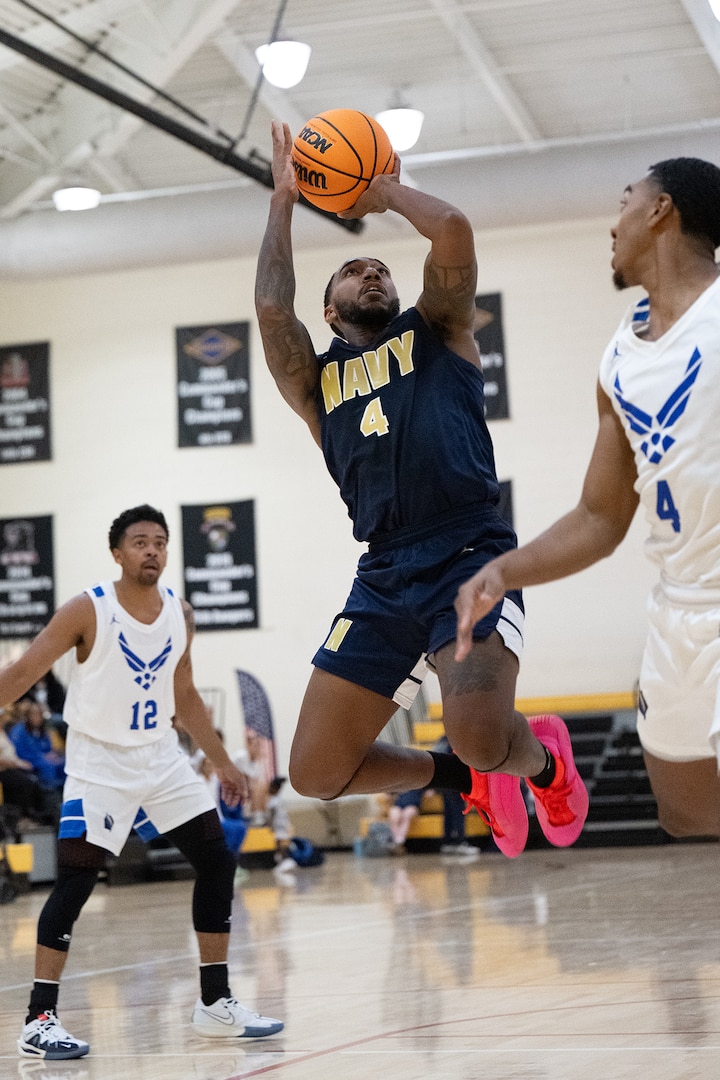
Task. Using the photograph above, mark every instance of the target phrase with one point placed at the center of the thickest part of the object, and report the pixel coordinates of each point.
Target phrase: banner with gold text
(24, 403)
(219, 553)
(27, 580)
(213, 385)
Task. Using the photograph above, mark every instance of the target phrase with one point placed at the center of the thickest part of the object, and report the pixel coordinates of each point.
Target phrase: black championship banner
(491, 344)
(213, 385)
(27, 585)
(219, 553)
(24, 403)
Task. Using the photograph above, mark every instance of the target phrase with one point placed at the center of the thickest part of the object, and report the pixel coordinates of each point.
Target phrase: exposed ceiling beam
(220, 151)
(200, 24)
(46, 36)
(25, 134)
(191, 25)
(243, 59)
(707, 27)
(604, 138)
(111, 174)
(31, 194)
(485, 65)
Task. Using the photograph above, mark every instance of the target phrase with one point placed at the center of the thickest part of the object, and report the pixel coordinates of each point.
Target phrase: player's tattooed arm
(447, 301)
(448, 293)
(288, 348)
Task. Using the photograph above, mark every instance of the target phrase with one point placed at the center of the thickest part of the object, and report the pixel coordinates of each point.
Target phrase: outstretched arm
(72, 625)
(192, 714)
(447, 302)
(289, 352)
(587, 534)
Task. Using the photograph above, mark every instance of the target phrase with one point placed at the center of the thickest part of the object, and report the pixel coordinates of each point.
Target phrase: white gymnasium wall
(114, 445)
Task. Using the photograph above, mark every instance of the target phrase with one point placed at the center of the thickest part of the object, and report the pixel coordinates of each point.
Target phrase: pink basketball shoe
(563, 806)
(499, 802)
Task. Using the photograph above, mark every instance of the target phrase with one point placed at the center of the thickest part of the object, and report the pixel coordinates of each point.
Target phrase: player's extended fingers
(472, 602)
(465, 623)
(287, 138)
(463, 641)
(281, 140)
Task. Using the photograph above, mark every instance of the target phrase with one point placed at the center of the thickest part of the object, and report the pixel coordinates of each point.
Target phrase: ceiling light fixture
(402, 125)
(715, 8)
(284, 63)
(76, 198)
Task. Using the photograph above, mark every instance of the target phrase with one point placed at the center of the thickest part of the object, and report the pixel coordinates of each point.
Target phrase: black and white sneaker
(45, 1037)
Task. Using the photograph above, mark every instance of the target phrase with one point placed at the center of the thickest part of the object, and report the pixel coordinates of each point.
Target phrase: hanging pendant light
(284, 63)
(76, 198)
(403, 126)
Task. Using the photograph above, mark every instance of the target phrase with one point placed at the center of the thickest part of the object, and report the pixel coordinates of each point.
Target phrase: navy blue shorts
(401, 606)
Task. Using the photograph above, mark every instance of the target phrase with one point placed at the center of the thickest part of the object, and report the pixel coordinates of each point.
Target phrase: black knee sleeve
(63, 905)
(202, 842)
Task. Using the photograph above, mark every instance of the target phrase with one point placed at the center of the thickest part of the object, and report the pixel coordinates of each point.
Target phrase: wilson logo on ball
(309, 178)
(335, 156)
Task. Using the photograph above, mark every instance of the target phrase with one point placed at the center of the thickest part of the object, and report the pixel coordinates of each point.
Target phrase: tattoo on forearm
(275, 278)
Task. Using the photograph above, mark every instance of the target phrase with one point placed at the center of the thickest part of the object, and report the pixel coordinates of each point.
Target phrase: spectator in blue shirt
(32, 740)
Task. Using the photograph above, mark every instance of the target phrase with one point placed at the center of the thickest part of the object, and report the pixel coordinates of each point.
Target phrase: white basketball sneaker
(226, 1018)
(46, 1038)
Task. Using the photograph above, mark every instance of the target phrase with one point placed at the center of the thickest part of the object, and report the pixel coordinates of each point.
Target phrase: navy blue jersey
(403, 429)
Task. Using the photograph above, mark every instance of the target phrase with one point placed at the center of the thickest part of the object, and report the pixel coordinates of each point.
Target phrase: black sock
(450, 773)
(547, 775)
(43, 998)
(213, 982)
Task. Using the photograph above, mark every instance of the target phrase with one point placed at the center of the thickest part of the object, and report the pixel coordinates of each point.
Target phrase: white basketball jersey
(667, 395)
(124, 691)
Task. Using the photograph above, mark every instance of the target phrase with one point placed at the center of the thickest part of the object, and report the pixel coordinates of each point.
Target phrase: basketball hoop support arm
(262, 173)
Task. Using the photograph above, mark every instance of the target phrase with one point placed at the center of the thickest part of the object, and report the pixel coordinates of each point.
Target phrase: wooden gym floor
(588, 964)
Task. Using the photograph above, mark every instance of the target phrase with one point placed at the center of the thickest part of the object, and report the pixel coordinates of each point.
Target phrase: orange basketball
(337, 154)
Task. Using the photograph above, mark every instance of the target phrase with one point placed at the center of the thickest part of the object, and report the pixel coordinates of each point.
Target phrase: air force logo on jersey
(146, 672)
(656, 428)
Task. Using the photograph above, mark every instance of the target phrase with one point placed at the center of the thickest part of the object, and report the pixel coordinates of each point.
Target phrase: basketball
(336, 155)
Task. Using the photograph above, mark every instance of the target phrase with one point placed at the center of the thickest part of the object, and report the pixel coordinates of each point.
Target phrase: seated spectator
(50, 693)
(250, 761)
(33, 742)
(20, 787)
(278, 820)
(454, 807)
(404, 810)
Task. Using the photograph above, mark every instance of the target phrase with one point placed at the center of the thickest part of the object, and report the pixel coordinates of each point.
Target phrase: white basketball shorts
(679, 710)
(110, 790)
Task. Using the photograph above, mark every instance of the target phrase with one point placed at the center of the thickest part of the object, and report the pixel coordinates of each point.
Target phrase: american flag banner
(258, 723)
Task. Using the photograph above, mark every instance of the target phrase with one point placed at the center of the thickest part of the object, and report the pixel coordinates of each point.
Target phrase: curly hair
(130, 517)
